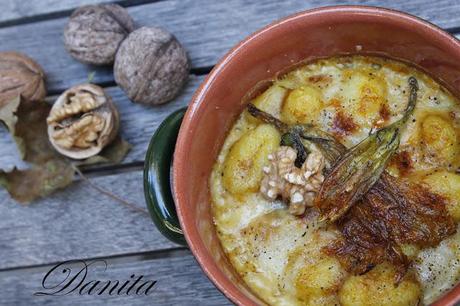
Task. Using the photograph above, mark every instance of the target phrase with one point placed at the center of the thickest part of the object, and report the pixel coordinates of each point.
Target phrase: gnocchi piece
(364, 98)
(269, 101)
(447, 184)
(324, 300)
(312, 277)
(318, 279)
(302, 105)
(242, 171)
(266, 229)
(439, 140)
(377, 288)
(294, 79)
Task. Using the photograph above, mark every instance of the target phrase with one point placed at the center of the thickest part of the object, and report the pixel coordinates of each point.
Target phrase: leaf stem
(108, 193)
(267, 118)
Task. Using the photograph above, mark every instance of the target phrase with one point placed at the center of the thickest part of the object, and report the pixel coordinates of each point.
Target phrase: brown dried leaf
(26, 122)
(7, 113)
(9, 119)
(38, 181)
(113, 153)
(49, 170)
(31, 130)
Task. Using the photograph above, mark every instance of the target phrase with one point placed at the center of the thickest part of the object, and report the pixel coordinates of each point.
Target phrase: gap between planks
(134, 161)
(65, 13)
(179, 282)
(194, 71)
(101, 170)
(124, 3)
(112, 259)
(220, 27)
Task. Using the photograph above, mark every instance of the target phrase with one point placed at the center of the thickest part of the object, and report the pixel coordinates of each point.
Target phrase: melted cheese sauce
(279, 255)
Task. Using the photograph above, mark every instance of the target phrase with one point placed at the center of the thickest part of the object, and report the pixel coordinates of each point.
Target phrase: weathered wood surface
(78, 222)
(207, 29)
(179, 282)
(216, 36)
(17, 10)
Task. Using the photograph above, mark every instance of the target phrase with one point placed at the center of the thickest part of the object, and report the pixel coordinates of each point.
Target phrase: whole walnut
(94, 32)
(82, 121)
(151, 66)
(19, 74)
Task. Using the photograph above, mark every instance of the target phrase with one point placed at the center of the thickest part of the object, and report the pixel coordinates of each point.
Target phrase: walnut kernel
(298, 187)
(82, 121)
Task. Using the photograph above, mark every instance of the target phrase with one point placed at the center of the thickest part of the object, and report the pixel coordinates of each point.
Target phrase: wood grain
(77, 222)
(15, 10)
(180, 281)
(81, 223)
(219, 33)
(207, 29)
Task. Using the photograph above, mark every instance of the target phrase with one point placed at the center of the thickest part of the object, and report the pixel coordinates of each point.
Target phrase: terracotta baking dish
(218, 101)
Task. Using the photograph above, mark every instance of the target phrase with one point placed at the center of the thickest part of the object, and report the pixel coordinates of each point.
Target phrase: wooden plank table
(80, 223)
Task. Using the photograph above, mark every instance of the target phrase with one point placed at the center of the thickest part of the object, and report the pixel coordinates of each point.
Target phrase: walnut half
(82, 121)
(296, 186)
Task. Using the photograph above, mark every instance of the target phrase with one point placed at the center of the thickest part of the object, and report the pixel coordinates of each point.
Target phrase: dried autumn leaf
(31, 130)
(113, 153)
(38, 181)
(7, 113)
(49, 170)
(26, 122)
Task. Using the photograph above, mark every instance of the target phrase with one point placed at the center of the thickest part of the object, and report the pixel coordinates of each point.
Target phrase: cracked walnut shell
(82, 121)
(151, 66)
(94, 32)
(20, 75)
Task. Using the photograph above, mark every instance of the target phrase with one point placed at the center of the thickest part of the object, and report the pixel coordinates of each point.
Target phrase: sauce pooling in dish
(279, 249)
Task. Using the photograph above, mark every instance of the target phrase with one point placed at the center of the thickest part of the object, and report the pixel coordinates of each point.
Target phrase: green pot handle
(157, 182)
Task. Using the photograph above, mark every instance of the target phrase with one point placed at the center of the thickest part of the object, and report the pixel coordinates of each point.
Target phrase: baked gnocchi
(243, 165)
(293, 109)
(377, 287)
(282, 257)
